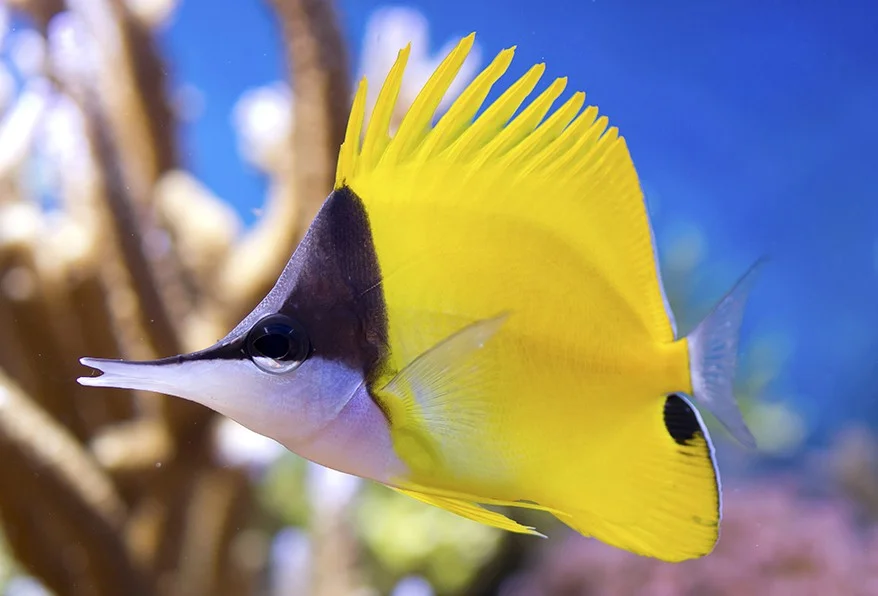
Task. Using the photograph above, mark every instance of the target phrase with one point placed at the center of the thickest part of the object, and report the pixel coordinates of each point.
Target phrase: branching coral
(119, 254)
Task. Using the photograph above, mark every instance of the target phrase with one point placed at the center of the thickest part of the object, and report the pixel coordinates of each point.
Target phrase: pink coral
(773, 541)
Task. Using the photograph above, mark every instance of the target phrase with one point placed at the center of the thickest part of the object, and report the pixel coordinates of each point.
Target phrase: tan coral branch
(319, 73)
(57, 503)
(149, 79)
(128, 232)
(217, 508)
(131, 83)
(129, 91)
(27, 301)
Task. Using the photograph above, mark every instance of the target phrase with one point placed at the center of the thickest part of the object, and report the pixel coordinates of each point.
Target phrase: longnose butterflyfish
(476, 318)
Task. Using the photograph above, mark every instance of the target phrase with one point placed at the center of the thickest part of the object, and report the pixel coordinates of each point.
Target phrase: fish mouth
(160, 375)
(125, 374)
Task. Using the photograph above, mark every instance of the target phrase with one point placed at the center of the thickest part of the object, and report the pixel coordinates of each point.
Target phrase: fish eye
(277, 344)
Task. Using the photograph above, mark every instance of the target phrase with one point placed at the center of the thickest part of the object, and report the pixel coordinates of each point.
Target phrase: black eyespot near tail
(680, 420)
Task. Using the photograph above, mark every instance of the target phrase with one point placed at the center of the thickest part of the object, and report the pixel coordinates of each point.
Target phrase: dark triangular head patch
(329, 292)
(681, 421)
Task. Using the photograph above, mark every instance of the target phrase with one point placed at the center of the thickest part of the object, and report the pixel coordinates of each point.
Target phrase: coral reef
(108, 248)
(774, 541)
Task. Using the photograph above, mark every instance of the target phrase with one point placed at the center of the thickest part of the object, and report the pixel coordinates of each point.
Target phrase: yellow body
(543, 222)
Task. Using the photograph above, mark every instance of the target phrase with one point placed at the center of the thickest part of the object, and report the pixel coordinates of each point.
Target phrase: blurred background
(160, 159)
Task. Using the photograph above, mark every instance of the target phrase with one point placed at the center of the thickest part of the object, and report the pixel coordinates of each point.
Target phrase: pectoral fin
(442, 398)
(446, 375)
(439, 400)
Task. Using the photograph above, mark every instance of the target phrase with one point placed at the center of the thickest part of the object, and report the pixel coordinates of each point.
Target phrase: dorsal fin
(459, 137)
(531, 159)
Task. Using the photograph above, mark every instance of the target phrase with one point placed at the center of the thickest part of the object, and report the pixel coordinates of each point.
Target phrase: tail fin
(713, 355)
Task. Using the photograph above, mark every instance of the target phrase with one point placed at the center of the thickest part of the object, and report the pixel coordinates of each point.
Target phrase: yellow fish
(476, 317)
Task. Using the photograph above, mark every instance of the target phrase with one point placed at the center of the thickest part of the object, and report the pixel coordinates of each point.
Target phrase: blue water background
(757, 120)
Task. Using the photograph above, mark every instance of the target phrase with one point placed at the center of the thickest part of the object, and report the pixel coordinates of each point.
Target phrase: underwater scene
(345, 237)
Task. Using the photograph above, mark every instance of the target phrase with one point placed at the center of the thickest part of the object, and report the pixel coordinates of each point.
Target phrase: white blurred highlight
(413, 585)
(387, 32)
(72, 51)
(27, 52)
(19, 125)
(291, 563)
(25, 585)
(263, 118)
(153, 13)
(330, 491)
(240, 446)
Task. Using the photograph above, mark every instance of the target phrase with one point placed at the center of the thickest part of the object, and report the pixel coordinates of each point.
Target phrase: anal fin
(660, 492)
(460, 496)
(471, 511)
